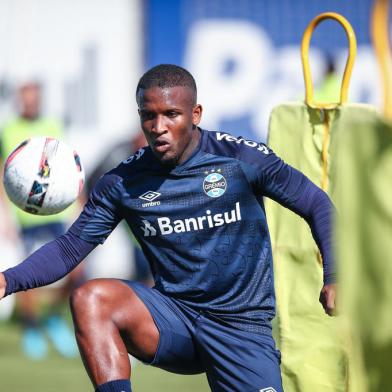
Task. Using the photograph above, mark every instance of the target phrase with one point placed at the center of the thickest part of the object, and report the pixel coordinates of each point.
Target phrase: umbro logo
(150, 196)
(269, 389)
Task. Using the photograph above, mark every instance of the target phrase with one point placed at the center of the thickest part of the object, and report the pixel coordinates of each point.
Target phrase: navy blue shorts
(192, 342)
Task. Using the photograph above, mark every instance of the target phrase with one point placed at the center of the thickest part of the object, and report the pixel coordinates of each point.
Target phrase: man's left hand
(328, 297)
(3, 285)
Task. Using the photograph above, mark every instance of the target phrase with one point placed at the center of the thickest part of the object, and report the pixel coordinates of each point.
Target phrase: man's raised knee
(88, 295)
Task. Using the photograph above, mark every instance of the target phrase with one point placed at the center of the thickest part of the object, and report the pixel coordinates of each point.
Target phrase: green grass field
(56, 374)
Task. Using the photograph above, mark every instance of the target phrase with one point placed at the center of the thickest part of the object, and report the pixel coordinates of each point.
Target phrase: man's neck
(194, 142)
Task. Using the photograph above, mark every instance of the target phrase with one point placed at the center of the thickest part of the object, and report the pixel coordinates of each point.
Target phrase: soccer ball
(43, 176)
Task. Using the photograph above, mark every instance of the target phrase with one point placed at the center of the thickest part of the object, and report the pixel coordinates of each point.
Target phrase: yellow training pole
(381, 43)
(349, 64)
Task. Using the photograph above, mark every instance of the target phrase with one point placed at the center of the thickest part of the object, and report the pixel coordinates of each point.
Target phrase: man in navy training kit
(194, 201)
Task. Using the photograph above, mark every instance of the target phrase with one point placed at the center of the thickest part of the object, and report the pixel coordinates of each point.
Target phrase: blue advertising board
(245, 54)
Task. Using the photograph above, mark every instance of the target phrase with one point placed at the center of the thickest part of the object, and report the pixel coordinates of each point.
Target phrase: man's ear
(196, 114)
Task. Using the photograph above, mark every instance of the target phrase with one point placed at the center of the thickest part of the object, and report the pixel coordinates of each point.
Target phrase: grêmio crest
(214, 185)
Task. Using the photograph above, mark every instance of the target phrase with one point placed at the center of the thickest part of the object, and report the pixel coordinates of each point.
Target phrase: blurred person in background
(34, 231)
(328, 89)
(112, 158)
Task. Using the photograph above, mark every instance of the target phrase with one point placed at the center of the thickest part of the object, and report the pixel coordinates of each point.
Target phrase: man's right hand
(3, 285)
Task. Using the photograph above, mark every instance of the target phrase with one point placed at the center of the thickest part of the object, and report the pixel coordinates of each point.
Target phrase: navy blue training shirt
(202, 224)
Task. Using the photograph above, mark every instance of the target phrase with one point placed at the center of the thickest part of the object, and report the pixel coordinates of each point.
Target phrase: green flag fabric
(363, 170)
(314, 353)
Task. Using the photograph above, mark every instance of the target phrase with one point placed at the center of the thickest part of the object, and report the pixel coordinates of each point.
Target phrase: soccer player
(194, 201)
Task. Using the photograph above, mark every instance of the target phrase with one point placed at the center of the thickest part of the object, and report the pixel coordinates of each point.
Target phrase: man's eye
(147, 115)
(172, 114)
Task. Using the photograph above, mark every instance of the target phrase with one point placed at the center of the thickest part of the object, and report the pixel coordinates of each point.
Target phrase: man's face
(29, 101)
(169, 117)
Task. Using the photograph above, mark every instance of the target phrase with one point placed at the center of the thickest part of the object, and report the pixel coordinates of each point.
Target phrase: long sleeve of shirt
(316, 208)
(48, 264)
(294, 190)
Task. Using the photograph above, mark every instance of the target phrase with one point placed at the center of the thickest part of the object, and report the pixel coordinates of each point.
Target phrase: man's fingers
(331, 300)
(3, 285)
(327, 299)
(327, 304)
(330, 308)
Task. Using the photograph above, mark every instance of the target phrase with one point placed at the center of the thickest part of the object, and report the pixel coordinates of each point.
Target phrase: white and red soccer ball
(43, 176)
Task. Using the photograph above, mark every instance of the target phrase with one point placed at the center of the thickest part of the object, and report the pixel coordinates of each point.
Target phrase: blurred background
(87, 57)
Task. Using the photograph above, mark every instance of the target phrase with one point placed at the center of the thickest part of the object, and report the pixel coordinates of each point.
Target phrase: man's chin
(167, 159)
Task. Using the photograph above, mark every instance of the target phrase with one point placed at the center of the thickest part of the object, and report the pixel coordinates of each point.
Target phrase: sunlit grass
(56, 374)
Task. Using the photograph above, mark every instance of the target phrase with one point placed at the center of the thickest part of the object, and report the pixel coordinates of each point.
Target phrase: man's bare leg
(110, 322)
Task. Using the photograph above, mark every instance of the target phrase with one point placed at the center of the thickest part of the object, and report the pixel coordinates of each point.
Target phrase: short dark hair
(167, 75)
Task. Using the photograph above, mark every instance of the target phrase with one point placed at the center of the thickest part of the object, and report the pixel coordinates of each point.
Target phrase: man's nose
(159, 125)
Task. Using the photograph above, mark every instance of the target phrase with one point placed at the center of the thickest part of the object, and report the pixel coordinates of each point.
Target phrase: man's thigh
(236, 360)
(176, 350)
